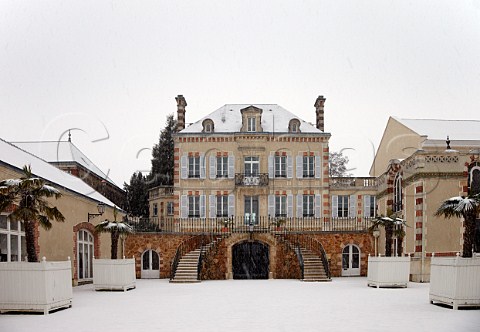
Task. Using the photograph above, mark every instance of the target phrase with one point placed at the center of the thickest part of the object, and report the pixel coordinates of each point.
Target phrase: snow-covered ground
(345, 304)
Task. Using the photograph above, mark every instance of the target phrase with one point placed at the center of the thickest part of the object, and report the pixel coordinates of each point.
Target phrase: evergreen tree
(137, 195)
(162, 161)
(337, 163)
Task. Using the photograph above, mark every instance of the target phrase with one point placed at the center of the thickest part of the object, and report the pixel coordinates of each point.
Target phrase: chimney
(319, 104)
(181, 103)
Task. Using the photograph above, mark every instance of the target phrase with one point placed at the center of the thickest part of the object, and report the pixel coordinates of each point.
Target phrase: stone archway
(250, 260)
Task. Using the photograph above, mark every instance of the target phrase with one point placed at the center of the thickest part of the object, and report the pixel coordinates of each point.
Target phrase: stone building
(75, 237)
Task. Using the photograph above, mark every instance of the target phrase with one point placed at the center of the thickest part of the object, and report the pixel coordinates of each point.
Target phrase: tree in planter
(29, 194)
(115, 228)
(466, 208)
(393, 227)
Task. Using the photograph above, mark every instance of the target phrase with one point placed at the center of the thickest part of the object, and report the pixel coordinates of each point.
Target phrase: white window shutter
(231, 167)
(212, 199)
(184, 167)
(299, 167)
(366, 206)
(299, 206)
(184, 206)
(231, 205)
(334, 206)
(318, 167)
(203, 171)
(289, 167)
(271, 164)
(213, 167)
(352, 210)
(203, 206)
(271, 205)
(318, 206)
(289, 206)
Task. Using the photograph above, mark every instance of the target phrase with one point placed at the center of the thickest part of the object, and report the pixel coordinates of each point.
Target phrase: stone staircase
(187, 270)
(313, 269)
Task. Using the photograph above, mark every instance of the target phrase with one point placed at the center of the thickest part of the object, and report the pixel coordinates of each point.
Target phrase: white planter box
(455, 281)
(39, 287)
(388, 271)
(114, 274)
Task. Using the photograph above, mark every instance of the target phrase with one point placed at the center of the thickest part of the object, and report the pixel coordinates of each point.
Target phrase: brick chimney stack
(181, 103)
(319, 105)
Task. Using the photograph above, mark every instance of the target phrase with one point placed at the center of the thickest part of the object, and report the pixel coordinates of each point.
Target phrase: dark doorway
(250, 260)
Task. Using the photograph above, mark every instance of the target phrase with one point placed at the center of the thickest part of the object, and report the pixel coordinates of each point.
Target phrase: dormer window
(251, 124)
(207, 126)
(294, 126)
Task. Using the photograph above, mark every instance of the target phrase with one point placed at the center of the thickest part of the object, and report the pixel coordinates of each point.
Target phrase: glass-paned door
(251, 210)
(85, 245)
(252, 166)
(150, 265)
(351, 260)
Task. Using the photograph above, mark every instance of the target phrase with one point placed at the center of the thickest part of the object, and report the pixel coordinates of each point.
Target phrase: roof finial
(69, 136)
(448, 143)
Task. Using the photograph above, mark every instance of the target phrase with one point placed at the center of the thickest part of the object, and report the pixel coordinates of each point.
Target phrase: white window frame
(193, 206)
(397, 193)
(10, 233)
(170, 209)
(222, 167)
(251, 124)
(222, 206)
(280, 166)
(281, 206)
(250, 169)
(308, 166)
(343, 206)
(89, 245)
(155, 209)
(308, 206)
(194, 167)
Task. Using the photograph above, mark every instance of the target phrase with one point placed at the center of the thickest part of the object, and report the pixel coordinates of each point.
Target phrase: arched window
(474, 180)
(208, 126)
(150, 265)
(85, 247)
(294, 126)
(397, 193)
(351, 260)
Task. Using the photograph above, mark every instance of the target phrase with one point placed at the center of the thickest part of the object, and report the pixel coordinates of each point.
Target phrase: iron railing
(260, 179)
(241, 224)
(313, 245)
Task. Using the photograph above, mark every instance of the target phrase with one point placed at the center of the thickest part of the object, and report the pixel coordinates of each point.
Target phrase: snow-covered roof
(62, 151)
(436, 129)
(228, 119)
(16, 157)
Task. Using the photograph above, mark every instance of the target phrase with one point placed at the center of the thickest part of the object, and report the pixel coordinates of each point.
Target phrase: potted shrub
(278, 222)
(455, 280)
(389, 271)
(114, 274)
(224, 224)
(33, 286)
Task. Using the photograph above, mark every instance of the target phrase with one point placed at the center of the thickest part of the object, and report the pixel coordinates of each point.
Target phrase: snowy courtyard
(345, 304)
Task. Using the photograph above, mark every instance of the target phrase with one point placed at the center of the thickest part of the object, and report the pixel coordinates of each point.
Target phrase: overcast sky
(112, 69)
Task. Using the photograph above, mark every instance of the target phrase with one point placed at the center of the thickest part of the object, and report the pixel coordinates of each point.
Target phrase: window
(170, 208)
(281, 206)
(222, 206)
(280, 166)
(251, 124)
(294, 126)
(369, 206)
(85, 254)
(308, 166)
(12, 240)
(155, 209)
(372, 207)
(397, 193)
(252, 166)
(193, 206)
(193, 167)
(308, 205)
(343, 206)
(222, 167)
(208, 126)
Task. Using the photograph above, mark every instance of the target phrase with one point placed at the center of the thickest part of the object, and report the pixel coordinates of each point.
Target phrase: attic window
(294, 126)
(251, 124)
(207, 126)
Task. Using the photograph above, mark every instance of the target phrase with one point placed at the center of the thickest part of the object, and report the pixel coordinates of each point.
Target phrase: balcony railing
(349, 182)
(265, 224)
(251, 179)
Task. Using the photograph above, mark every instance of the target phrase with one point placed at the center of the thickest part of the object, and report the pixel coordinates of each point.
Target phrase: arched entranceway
(351, 260)
(150, 265)
(250, 260)
(85, 248)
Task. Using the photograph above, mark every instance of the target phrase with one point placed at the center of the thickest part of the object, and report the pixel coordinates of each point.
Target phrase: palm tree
(29, 195)
(115, 228)
(466, 208)
(392, 228)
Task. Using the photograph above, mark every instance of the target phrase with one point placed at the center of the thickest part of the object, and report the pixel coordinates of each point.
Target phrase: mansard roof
(15, 157)
(228, 119)
(438, 129)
